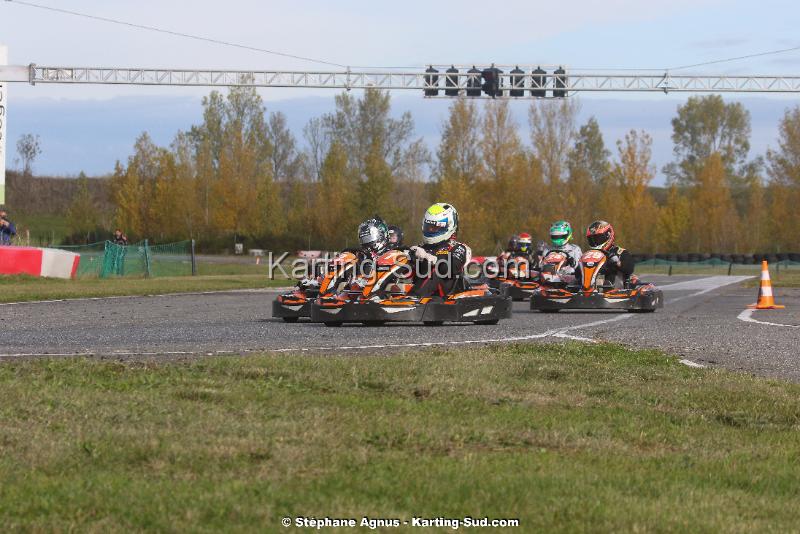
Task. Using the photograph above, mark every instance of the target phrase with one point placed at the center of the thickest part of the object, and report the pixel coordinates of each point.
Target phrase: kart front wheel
(433, 323)
(549, 311)
(373, 323)
(333, 323)
(488, 322)
(290, 319)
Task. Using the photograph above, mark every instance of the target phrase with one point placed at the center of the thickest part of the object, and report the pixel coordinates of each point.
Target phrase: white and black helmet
(439, 224)
(373, 234)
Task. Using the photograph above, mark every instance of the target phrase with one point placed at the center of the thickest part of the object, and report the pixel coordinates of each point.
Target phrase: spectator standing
(120, 238)
(7, 229)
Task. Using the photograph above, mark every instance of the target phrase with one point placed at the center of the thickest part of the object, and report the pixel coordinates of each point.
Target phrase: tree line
(241, 175)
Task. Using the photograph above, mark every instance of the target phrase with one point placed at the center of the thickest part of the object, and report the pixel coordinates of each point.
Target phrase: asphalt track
(703, 321)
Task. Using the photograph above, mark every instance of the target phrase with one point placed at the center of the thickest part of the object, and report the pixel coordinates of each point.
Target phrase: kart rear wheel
(290, 319)
(433, 323)
(642, 311)
(549, 311)
(488, 322)
(333, 323)
(373, 323)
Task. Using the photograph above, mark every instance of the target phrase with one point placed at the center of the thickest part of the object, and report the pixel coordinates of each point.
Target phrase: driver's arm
(623, 262)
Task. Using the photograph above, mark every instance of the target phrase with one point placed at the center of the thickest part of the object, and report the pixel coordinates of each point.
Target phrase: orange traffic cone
(765, 298)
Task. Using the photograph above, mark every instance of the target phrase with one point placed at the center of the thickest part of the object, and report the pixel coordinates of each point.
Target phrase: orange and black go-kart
(591, 294)
(555, 271)
(514, 275)
(381, 296)
(296, 304)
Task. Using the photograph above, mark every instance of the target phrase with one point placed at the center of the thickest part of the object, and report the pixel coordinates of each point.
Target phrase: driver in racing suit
(519, 246)
(440, 260)
(373, 238)
(560, 237)
(600, 236)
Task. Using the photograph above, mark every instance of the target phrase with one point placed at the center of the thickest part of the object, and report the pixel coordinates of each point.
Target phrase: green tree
(134, 188)
(552, 129)
(334, 214)
(673, 222)
(703, 126)
(627, 197)
(714, 220)
(284, 148)
(784, 187)
(459, 172)
(588, 169)
(363, 125)
(376, 191)
(83, 217)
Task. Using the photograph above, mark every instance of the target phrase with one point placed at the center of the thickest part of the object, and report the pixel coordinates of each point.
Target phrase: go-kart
(555, 270)
(297, 303)
(514, 275)
(383, 296)
(591, 294)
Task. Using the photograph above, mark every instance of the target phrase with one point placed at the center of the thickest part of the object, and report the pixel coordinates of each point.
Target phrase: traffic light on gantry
(560, 82)
(474, 82)
(491, 81)
(451, 81)
(431, 81)
(517, 82)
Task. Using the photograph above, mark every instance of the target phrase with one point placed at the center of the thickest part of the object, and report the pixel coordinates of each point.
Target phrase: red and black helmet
(600, 235)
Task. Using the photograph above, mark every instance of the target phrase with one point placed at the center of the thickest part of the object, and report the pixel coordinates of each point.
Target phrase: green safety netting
(107, 259)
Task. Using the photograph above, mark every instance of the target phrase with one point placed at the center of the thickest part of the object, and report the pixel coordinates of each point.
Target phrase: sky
(89, 128)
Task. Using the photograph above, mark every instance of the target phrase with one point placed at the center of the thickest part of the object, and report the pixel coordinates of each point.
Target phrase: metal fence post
(194, 260)
(730, 268)
(147, 272)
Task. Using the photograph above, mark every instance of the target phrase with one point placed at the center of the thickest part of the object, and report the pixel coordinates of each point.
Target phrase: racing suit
(620, 262)
(512, 259)
(572, 251)
(438, 267)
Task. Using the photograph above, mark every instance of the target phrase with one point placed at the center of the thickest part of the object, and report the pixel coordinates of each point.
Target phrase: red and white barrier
(34, 261)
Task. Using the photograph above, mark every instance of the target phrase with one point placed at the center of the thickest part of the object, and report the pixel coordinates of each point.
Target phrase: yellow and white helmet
(439, 224)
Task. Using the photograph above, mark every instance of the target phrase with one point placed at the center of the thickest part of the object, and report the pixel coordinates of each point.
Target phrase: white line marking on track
(690, 363)
(556, 332)
(711, 283)
(746, 317)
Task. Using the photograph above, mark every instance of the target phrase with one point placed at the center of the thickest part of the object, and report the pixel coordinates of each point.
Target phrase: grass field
(26, 288)
(564, 437)
(44, 229)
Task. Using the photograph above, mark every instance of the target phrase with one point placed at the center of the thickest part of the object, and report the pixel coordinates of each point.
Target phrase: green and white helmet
(560, 233)
(439, 224)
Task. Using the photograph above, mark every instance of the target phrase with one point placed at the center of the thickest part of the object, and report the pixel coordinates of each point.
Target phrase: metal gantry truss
(571, 81)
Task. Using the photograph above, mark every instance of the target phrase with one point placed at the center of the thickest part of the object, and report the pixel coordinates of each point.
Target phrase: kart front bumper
(647, 298)
(290, 308)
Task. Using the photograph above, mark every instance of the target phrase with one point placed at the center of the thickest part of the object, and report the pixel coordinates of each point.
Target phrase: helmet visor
(369, 237)
(559, 239)
(434, 228)
(597, 240)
